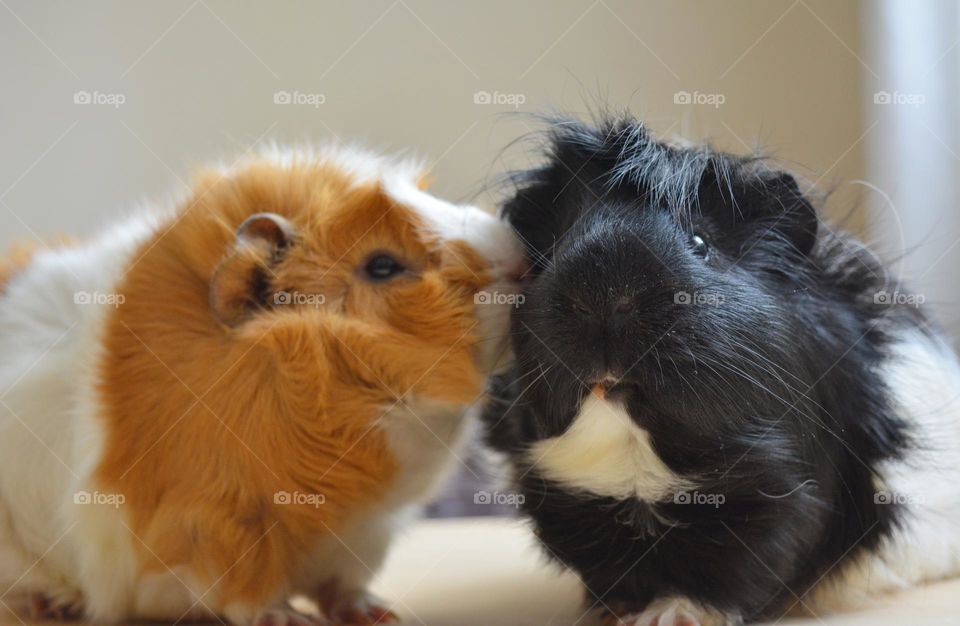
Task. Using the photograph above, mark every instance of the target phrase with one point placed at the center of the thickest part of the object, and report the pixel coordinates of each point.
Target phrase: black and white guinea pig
(720, 410)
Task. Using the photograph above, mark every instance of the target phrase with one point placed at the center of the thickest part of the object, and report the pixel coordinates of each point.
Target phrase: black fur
(764, 388)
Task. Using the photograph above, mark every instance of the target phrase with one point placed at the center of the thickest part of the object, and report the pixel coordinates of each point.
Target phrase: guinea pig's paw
(365, 611)
(287, 616)
(56, 607)
(679, 612)
(354, 609)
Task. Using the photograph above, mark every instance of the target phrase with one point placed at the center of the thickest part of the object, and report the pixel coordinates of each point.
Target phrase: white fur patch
(924, 377)
(679, 611)
(50, 437)
(605, 453)
(486, 234)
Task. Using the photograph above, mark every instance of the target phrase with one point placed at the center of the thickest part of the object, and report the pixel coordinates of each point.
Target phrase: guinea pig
(212, 407)
(721, 409)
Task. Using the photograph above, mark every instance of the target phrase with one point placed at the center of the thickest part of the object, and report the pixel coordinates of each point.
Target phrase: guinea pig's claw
(44, 608)
(345, 608)
(363, 614)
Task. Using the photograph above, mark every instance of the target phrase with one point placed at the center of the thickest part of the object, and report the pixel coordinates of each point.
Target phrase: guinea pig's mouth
(610, 388)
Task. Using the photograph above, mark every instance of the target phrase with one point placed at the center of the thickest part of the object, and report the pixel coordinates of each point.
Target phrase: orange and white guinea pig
(209, 409)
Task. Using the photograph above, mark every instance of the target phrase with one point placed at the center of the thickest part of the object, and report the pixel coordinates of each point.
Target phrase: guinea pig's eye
(700, 247)
(382, 267)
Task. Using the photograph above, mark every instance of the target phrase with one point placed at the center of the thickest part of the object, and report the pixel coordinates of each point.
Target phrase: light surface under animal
(211, 407)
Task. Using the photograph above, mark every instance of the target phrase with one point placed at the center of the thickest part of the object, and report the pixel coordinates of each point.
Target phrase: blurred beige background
(199, 80)
(111, 103)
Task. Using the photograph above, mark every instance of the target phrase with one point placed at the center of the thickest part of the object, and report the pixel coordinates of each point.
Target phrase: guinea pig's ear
(794, 216)
(770, 199)
(241, 283)
(540, 216)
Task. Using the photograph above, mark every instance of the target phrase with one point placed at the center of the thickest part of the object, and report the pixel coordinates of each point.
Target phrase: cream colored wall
(199, 79)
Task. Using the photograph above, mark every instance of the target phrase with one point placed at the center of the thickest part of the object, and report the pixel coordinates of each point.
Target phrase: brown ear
(241, 283)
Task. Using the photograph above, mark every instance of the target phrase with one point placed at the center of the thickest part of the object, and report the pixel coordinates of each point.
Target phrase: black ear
(770, 200)
(241, 283)
(794, 215)
(550, 198)
(538, 217)
(548, 202)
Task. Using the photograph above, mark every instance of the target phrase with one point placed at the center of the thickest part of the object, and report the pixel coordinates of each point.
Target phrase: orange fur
(206, 423)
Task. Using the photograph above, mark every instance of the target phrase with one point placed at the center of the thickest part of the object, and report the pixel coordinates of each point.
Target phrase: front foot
(45, 608)
(676, 612)
(288, 616)
(344, 608)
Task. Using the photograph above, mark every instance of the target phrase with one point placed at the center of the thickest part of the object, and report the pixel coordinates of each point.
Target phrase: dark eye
(382, 267)
(700, 247)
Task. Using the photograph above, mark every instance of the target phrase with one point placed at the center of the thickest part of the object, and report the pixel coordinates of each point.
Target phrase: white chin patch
(605, 453)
